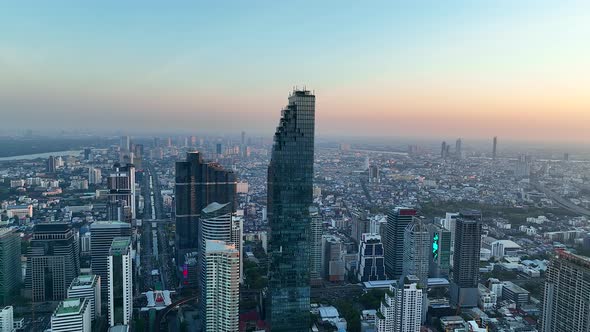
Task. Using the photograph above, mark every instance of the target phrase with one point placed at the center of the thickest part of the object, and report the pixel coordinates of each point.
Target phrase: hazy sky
(516, 69)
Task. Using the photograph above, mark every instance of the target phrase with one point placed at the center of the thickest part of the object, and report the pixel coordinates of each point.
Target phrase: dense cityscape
(295, 166)
(241, 233)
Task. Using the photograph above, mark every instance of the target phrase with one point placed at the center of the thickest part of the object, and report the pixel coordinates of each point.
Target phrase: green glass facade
(290, 194)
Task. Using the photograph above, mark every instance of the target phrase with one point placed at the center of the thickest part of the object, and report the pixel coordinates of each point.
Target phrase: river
(42, 155)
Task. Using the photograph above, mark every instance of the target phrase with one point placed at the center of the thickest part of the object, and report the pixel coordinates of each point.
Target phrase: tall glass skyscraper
(397, 221)
(199, 183)
(290, 194)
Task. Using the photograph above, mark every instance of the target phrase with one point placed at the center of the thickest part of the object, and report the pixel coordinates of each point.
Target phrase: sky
(513, 69)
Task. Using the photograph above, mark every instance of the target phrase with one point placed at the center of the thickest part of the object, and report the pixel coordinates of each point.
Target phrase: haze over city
(516, 69)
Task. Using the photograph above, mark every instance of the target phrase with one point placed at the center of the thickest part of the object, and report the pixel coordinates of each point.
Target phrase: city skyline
(515, 70)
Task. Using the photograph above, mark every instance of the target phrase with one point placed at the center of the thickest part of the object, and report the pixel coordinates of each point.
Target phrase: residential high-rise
(374, 174)
(94, 175)
(120, 282)
(51, 164)
(416, 255)
(10, 252)
(102, 234)
(397, 221)
(495, 147)
(371, 264)
(88, 287)
(315, 246)
(289, 196)
(220, 293)
(333, 258)
(72, 315)
(360, 224)
(464, 291)
(218, 222)
(7, 319)
(566, 304)
(440, 251)
(53, 261)
(121, 184)
(199, 184)
(401, 310)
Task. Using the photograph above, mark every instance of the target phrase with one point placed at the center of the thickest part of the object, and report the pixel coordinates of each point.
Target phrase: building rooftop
(69, 307)
(84, 280)
(214, 207)
(120, 245)
(107, 224)
(216, 245)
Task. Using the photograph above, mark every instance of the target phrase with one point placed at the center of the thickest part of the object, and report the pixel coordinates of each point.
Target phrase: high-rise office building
(440, 251)
(523, 166)
(199, 184)
(10, 252)
(120, 282)
(416, 255)
(53, 261)
(220, 293)
(566, 304)
(315, 246)
(459, 149)
(72, 315)
(443, 150)
(401, 310)
(464, 291)
(51, 164)
(371, 263)
(397, 221)
(495, 147)
(7, 319)
(88, 287)
(121, 184)
(102, 234)
(289, 196)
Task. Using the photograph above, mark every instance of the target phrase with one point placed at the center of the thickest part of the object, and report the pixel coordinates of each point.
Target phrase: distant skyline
(518, 70)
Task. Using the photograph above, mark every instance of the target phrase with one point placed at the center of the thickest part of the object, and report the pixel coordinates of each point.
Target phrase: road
(563, 202)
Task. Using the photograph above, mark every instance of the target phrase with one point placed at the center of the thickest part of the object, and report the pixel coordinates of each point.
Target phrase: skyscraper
(315, 272)
(120, 282)
(220, 292)
(10, 252)
(102, 234)
(88, 287)
(121, 184)
(199, 184)
(51, 164)
(443, 150)
(72, 315)
(53, 261)
(371, 264)
(566, 305)
(417, 251)
(459, 149)
(397, 221)
(289, 195)
(440, 251)
(495, 147)
(464, 291)
(125, 143)
(401, 310)
(219, 223)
